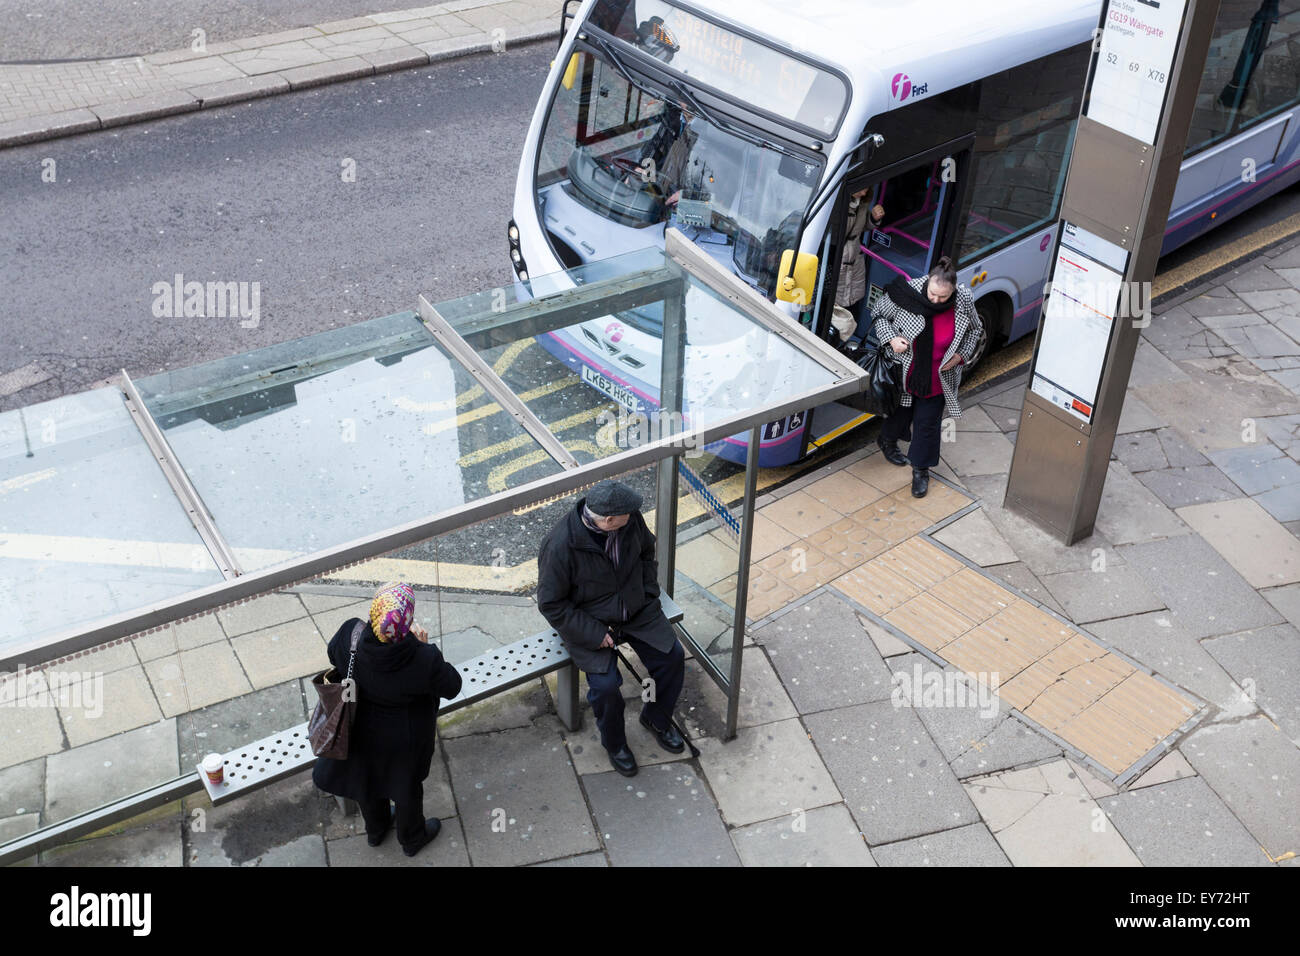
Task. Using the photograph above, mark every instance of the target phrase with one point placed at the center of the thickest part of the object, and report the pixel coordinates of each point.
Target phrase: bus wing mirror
(797, 286)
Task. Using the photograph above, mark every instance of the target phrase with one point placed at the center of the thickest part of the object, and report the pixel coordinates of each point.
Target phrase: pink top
(944, 325)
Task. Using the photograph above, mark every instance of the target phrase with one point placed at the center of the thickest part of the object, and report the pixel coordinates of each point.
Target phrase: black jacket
(391, 743)
(579, 590)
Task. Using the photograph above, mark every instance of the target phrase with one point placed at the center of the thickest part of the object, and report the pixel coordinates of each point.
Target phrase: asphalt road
(255, 193)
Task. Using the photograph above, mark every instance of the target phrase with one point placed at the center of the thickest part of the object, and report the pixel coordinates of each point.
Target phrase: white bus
(738, 123)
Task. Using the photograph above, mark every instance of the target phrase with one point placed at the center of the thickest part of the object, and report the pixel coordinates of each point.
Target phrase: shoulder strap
(357, 631)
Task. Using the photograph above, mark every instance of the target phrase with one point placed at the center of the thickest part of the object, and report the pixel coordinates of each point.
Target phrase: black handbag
(332, 719)
(883, 374)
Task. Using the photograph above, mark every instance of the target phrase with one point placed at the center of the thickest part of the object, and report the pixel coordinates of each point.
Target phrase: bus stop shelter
(155, 501)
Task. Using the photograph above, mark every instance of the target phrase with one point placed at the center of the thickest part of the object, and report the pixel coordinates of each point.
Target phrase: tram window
(1252, 70)
(1023, 137)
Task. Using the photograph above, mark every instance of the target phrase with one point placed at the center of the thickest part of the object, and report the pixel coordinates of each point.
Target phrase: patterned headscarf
(391, 612)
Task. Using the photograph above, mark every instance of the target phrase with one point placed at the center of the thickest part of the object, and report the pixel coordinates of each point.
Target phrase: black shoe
(623, 761)
(669, 739)
(432, 828)
(374, 839)
(920, 482)
(890, 448)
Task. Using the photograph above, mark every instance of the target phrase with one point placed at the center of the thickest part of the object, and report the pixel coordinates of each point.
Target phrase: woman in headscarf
(400, 678)
(933, 328)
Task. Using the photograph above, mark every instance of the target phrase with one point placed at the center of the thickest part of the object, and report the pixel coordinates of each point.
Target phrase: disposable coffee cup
(214, 767)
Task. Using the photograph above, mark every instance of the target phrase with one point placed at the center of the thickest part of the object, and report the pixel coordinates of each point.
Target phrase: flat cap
(613, 498)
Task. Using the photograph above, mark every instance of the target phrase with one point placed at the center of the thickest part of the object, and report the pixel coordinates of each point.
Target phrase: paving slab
(1182, 823)
(517, 707)
(824, 656)
(447, 849)
(1135, 416)
(11, 828)
(702, 708)
(1286, 601)
(1255, 770)
(234, 723)
(1258, 467)
(1045, 817)
(1282, 503)
(1140, 451)
(1150, 367)
(887, 645)
(156, 845)
(894, 779)
(94, 774)
(825, 836)
(1195, 582)
(260, 613)
(1129, 512)
(1209, 408)
(664, 816)
(22, 788)
(505, 623)
(518, 796)
(1040, 550)
(255, 826)
(28, 732)
(1266, 663)
(1249, 538)
(1098, 595)
(282, 652)
(979, 453)
(972, 727)
(766, 772)
(1172, 766)
(124, 701)
(193, 679)
(971, 845)
(1019, 576)
(1177, 487)
(183, 636)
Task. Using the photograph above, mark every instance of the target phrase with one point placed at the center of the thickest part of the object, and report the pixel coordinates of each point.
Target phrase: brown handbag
(335, 710)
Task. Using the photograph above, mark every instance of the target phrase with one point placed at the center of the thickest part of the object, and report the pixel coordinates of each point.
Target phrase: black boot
(890, 449)
(920, 482)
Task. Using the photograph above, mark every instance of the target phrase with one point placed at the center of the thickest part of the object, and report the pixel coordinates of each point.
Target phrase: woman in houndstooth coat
(933, 329)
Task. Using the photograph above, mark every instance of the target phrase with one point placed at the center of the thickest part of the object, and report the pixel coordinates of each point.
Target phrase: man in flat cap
(597, 585)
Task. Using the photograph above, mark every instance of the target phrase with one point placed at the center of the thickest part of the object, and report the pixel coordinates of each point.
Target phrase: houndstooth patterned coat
(892, 321)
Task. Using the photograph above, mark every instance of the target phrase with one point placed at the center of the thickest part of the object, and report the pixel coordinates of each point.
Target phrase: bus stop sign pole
(1148, 57)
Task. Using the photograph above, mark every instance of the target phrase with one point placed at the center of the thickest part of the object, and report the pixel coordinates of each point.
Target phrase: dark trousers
(667, 670)
(409, 822)
(920, 424)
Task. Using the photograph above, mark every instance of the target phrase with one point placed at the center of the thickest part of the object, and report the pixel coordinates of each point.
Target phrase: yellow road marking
(464, 418)
(481, 455)
(507, 359)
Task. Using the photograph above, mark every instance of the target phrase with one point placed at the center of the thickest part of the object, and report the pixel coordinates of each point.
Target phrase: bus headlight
(513, 233)
(516, 257)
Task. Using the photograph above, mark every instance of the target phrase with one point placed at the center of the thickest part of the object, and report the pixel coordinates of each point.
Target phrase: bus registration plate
(617, 392)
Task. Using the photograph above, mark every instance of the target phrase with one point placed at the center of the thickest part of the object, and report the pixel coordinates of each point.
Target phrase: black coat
(391, 743)
(578, 589)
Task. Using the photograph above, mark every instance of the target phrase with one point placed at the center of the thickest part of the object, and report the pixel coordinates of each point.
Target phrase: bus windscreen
(732, 63)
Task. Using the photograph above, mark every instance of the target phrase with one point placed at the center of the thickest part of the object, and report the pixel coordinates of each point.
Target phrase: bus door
(919, 198)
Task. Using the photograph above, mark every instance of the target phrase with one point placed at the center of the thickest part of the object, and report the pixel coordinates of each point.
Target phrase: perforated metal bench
(284, 754)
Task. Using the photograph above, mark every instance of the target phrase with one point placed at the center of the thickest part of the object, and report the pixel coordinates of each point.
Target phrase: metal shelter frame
(683, 262)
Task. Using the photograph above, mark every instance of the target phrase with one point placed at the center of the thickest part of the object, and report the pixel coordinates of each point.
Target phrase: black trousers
(667, 671)
(409, 822)
(920, 424)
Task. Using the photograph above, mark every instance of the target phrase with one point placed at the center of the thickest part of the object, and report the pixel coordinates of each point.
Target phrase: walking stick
(695, 751)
